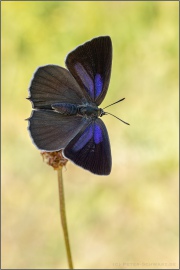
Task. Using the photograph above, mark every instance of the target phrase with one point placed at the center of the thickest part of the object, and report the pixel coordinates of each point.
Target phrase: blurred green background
(129, 219)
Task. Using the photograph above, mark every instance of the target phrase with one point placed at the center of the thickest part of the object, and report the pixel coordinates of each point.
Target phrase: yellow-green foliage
(128, 219)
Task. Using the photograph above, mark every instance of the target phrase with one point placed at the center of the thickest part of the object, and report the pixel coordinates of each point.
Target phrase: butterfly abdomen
(65, 108)
(87, 110)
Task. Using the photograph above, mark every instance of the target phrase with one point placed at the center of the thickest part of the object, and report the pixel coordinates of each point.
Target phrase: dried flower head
(54, 159)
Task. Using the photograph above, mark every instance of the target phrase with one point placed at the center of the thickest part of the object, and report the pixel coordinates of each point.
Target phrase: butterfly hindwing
(90, 148)
(53, 84)
(90, 64)
(52, 131)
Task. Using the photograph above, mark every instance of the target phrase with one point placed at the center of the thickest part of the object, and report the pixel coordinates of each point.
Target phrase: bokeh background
(129, 219)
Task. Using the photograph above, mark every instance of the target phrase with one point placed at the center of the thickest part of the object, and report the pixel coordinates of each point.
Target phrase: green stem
(63, 217)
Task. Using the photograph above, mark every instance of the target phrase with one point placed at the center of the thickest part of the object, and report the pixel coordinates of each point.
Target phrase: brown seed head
(54, 159)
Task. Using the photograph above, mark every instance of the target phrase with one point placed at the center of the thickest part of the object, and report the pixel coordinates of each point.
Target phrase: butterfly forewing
(90, 64)
(90, 148)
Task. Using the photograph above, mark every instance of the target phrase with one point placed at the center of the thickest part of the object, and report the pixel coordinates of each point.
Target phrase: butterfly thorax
(90, 110)
(87, 110)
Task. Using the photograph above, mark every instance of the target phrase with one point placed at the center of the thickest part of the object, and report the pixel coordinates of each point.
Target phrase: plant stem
(63, 217)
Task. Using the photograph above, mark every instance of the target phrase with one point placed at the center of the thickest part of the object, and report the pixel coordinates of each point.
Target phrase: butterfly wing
(53, 84)
(90, 64)
(52, 131)
(90, 148)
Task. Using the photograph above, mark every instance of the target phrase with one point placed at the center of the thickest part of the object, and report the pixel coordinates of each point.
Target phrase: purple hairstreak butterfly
(65, 106)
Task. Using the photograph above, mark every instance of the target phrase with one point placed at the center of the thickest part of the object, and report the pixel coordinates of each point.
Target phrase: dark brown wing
(90, 64)
(54, 84)
(52, 131)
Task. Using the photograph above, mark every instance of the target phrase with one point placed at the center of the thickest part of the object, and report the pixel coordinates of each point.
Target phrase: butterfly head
(101, 112)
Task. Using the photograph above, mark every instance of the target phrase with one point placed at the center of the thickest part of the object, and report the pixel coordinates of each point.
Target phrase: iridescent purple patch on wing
(98, 85)
(85, 78)
(97, 134)
(83, 140)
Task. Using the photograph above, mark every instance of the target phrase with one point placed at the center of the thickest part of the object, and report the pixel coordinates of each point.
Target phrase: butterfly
(65, 106)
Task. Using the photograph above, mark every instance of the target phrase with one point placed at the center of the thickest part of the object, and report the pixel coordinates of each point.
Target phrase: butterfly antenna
(114, 103)
(117, 118)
